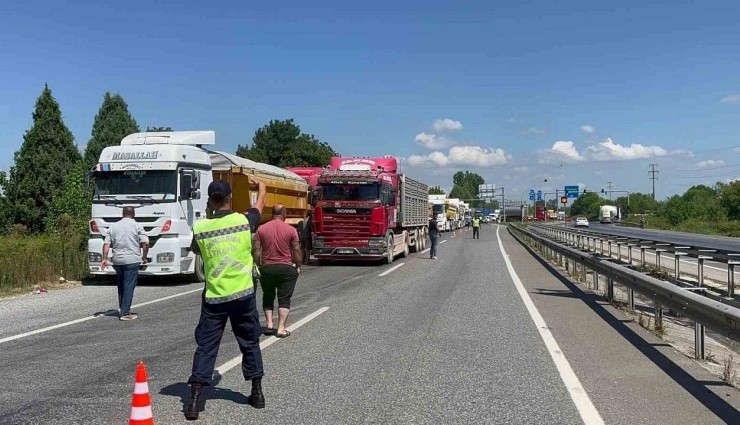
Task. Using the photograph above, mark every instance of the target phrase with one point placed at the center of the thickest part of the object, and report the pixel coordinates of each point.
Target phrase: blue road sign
(531, 195)
(571, 191)
(539, 195)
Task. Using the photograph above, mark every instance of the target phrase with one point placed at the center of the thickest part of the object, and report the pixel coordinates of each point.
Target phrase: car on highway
(581, 222)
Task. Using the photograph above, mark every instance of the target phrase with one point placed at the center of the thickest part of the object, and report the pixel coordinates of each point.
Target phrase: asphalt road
(678, 238)
(432, 341)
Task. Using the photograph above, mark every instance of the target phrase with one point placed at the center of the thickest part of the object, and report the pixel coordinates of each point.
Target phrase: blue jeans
(126, 277)
(245, 323)
(433, 250)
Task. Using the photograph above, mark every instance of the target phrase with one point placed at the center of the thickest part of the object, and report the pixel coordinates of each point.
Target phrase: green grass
(41, 260)
(719, 228)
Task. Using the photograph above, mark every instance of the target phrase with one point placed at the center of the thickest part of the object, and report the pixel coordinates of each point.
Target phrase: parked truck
(368, 211)
(608, 214)
(437, 204)
(453, 209)
(165, 176)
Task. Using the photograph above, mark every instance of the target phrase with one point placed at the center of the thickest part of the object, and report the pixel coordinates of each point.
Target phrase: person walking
(224, 242)
(305, 233)
(476, 227)
(434, 237)
(277, 252)
(130, 246)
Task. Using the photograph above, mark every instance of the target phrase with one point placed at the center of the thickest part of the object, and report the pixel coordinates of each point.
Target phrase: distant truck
(368, 211)
(454, 214)
(437, 203)
(165, 176)
(608, 214)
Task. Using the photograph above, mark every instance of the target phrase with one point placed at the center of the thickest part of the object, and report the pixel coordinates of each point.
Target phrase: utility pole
(610, 186)
(653, 171)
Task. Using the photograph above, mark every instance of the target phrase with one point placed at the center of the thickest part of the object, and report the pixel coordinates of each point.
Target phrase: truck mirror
(313, 197)
(188, 185)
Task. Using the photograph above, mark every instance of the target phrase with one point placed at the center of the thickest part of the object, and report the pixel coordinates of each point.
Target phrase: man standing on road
(224, 241)
(434, 237)
(476, 227)
(277, 252)
(130, 247)
(305, 232)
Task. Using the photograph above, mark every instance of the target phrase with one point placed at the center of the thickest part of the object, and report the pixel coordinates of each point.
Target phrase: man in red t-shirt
(277, 253)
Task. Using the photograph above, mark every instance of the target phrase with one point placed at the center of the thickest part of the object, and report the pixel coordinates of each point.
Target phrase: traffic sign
(564, 199)
(531, 194)
(571, 191)
(539, 195)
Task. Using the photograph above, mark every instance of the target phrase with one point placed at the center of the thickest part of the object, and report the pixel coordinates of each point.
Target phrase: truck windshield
(351, 192)
(438, 209)
(150, 185)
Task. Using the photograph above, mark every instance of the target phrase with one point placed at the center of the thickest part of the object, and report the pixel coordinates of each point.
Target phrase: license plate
(345, 251)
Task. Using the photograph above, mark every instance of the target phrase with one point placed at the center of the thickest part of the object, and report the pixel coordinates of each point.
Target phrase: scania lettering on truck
(165, 176)
(368, 211)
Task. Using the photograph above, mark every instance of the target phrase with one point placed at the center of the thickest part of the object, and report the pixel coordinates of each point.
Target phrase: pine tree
(112, 123)
(46, 156)
(71, 205)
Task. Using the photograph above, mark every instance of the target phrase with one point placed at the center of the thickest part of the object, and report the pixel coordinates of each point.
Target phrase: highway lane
(422, 344)
(679, 238)
(432, 341)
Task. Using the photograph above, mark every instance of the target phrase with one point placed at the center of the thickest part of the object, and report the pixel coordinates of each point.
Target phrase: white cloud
(462, 155)
(733, 98)
(608, 150)
(588, 128)
(532, 130)
(710, 163)
(432, 141)
(446, 125)
(521, 169)
(565, 150)
(737, 150)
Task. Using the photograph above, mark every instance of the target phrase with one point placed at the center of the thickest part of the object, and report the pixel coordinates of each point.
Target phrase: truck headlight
(166, 257)
(94, 257)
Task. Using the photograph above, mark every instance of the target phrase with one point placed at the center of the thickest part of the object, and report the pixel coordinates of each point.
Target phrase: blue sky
(577, 92)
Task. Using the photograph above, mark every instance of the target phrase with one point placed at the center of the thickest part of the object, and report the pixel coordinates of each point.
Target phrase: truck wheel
(406, 248)
(389, 250)
(200, 272)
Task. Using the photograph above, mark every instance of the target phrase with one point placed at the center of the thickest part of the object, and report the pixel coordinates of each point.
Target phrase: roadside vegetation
(701, 209)
(45, 202)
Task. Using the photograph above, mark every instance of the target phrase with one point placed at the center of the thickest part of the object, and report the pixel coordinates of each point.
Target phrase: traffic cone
(141, 402)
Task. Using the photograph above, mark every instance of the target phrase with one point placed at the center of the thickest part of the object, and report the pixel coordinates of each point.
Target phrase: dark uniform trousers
(246, 326)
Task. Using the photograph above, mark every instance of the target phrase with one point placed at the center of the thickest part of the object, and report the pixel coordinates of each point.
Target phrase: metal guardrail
(589, 239)
(713, 314)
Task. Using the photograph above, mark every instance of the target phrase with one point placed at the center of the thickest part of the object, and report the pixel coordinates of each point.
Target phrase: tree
(4, 205)
(436, 190)
(588, 204)
(731, 200)
(702, 203)
(47, 154)
(112, 123)
(282, 144)
(467, 183)
(158, 129)
(462, 192)
(71, 205)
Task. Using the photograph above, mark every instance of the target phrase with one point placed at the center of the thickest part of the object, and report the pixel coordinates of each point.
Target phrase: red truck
(366, 210)
(540, 212)
(310, 174)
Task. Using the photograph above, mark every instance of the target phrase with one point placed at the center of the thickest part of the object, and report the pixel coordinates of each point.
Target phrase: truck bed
(414, 202)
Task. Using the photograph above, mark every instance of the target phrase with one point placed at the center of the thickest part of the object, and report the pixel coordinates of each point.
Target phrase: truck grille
(339, 228)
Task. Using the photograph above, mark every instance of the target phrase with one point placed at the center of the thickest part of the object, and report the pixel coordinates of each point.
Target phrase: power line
(653, 171)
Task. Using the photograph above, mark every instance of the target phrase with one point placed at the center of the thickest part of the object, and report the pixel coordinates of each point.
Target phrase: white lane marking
(85, 319)
(425, 251)
(391, 269)
(443, 241)
(583, 403)
(269, 341)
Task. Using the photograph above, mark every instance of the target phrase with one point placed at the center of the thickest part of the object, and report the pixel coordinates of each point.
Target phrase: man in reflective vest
(224, 242)
(476, 227)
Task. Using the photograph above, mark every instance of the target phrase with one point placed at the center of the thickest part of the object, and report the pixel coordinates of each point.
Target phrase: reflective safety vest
(226, 248)
(476, 222)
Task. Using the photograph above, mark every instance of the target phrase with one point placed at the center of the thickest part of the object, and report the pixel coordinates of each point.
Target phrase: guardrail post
(631, 298)
(642, 256)
(609, 244)
(601, 246)
(658, 316)
(700, 267)
(657, 257)
(596, 281)
(610, 289)
(698, 341)
(731, 278)
(584, 273)
(629, 253)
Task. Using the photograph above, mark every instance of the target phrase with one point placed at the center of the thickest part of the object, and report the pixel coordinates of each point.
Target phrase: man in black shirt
(434, 236)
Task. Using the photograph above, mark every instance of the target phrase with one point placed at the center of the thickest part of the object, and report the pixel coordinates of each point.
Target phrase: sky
(575, 92)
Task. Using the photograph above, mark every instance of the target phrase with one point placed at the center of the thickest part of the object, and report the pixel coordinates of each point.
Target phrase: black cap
(219, 186)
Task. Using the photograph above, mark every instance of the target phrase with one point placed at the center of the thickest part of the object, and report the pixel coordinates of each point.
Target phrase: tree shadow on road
(182, 390)
(699, 389)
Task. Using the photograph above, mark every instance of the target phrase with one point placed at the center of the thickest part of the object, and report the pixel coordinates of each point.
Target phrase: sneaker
(128, 317)
(435, 257)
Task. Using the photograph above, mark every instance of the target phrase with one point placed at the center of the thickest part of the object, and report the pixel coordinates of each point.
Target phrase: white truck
(437, 203)
(608, 214)
(165, 176)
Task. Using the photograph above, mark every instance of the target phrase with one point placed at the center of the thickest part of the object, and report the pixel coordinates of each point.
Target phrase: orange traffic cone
(141, 402)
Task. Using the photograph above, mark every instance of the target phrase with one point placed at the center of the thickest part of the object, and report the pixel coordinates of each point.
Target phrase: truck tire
(417, 242)
(389, 250)
(200, 272)
(406, 248)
